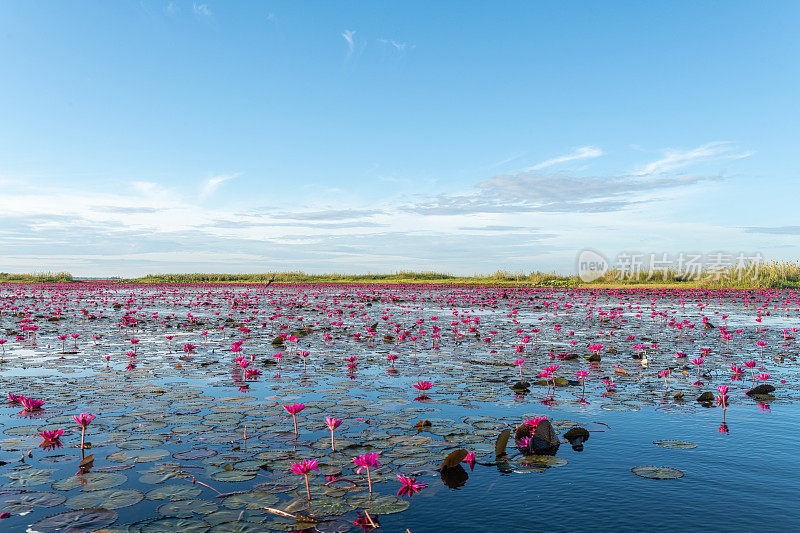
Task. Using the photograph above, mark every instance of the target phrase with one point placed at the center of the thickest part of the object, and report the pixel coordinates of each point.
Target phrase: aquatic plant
(303, 468)
(83, 420)
(293, 409)
(365, 462)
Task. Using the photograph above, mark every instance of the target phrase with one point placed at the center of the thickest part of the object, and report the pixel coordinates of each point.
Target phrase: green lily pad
(171, 525)
(80, 521)
(108, 498)
(237, 526)
(250, 500)
(29, 477)
(675, 444)
(91, 481)
(187, 508)
(657, 472)
(138, 456)
(174, 492)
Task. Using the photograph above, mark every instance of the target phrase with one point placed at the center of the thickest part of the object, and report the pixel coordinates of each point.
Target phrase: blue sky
(466, 137)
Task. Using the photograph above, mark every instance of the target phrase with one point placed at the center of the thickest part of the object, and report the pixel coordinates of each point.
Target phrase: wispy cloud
(674, 159)
(584, 152)
(201, 10)
(331, 214)
(774, 230)
(400, 47)
(349, 36)
(211, 185)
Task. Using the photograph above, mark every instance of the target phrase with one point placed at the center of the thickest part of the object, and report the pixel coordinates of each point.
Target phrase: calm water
(149, 416)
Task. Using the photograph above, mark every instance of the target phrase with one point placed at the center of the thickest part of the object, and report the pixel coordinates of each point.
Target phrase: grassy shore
(768, 275)
(771, 275)
(37, 277)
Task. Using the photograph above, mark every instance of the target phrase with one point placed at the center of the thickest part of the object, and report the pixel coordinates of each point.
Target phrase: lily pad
(187, 508)
(80, 521)
(675, 444)
(91, 481)
(108, 498)
(657, 472)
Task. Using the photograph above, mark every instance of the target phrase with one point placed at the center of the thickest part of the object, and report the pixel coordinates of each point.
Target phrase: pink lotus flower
(423, 385)
(533, 422)
(31, 404)
(83, 420)
(470, 460)
(410, 485)
(364, 462)
(303, 468)
(293, 409)
(332, 424)
(51, 435)
(15, 398)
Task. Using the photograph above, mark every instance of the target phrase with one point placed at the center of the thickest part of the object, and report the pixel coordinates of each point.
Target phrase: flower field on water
(331, 408)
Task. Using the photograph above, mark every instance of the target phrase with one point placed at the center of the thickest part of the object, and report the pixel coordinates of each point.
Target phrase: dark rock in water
(577, 432)
(574, 383)
(708, 325)
(520, 385)
(454, 477)
(523, 430)
(759, 390)
(678, 396)
(612, 350)
(706, 397)
(388, 338)
(576, 437)
(277, 341)
(568, 356)
(637, 355)
(594, 358)
(545, 439)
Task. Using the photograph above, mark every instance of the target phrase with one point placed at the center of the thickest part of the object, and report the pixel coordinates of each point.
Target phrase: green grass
(37, 277)
(771, 275)
(536, 278)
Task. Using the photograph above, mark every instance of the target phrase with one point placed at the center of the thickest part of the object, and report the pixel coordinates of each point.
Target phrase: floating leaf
(250, 500)
(675, 444)
(502, 442)
(657, 472)
(174, 492)
(454, 458)
(90, 481)
(171, 525)
(186, 508)
(108, 498)
(80, 521)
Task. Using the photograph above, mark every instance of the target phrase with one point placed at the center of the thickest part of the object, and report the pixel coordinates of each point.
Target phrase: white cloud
(584, 152)
(399, 46)
(201, 10)
(211, 185)
(349, 36)
(674, 159)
